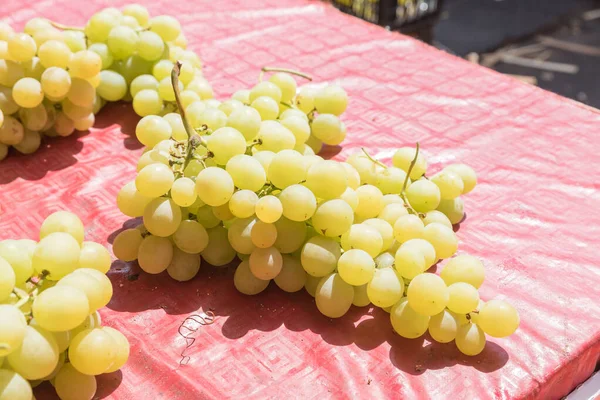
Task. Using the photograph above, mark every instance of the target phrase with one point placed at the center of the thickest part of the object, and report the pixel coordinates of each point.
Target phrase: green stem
(372, 159)
(286, 70)
(188, 128)
(403, 192)
(64, 27)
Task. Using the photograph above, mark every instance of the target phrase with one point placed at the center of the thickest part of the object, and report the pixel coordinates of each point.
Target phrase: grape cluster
(245, 182)
(55, 78)
(50, 328)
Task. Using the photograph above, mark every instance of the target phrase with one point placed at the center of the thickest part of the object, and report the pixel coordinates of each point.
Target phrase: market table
(533, 219)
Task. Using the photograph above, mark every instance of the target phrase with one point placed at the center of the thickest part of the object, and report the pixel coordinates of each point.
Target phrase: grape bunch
(50, 327)
(351, 233)
(54, 78)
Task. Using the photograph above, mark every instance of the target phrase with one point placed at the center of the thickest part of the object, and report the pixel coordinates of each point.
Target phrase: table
(533, 219)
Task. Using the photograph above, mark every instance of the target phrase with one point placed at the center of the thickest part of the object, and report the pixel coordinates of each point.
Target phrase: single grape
(427, 294)
(18, 255)
(11, 131)
(320, 256)
(499, 319)
(191, 237)
(154, 180)
(463, 299)
(101, 49)
(275, 137)
(10, 72)
(239, 235)
(334, 296)
(14, 386)
(263, 235)
(328, 129)
(408, 227)
(442, 238)
(466, 174)
(147, 102)
(219, 251)
(142, 82)
(392, 212)
(266, 107)
(453, 209)
(184, 266)
(183, 192)
(127, 243)
(99, 26)
(226, 143)
(311, 284)
(37, 355)
(265, 263)
(424, 247)
(385, 230)
(305, 99)
(162, 216)
(450, 184)
(385, 288)
(331, 99)
(139, 12)
(57, 253)
(243, 203)
(155, 254)
(76, 40)
(269, 209)
(370, 201)
(299, 127)
(61, 308)
(438, 217)
(28, 93)
(332, 218)
(12, 329)
(246, 120)
(54, 53)
(88, 63)
(404, 156)
(166, 27)
(214, 186)
(71, 384)
(245, 281)
(292, 276)
(423, 195)
(21, 47)
(356, 267)
(364, 237)
(131, 202)
(81, 93)
(406, 322)
(290, 235)
(265, 88)
(93, 351)
(470, 339)
(113, 86)
(327, 179)
(94, 256)
(7, 279)
(298, 202)
(409, 262)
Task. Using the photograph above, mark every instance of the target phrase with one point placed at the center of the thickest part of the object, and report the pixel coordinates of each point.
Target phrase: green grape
(162, 216)
(265, 88)
(12, 329)
(320, 256)
(331, 99)
(183, 192)
(298, 202)
(370, 201)
(408, 227)
(328, 129)
(453, 209)
(131, 202)
(82, 282)
(437, 217)
(27, 93)
(76, 40)
(91, 321)
(392, 212)
(212, 118)
(30, 143)
(352, 175)
(327, 179)
(202, 87)
(390, 180)
(162, 69)
(427, 294)
(37, 355)
(332, 218)
(34, 118)
(113, 86)
(147, 102)
(498, 319)
(385, 288)
(292, 276)
(474, 315)
(10, 72)
(190, 237)
(311, 284)
(86, 123)
(350, 197)
(206, 217)
(122, 41)
(57, 253)
(287, 168)
(99, 26)
(219, 251)
(71, 384)
(245, 282)
(299, 127)
(17, 255)
(94, 256)
(139, 12)
(177, 128)
(402, 159)
(290, 235)
(385, 230)
(246, 120)
(361, 299)
(269, 209)
(188, 97)
(315, 144)
(466, 174)
(264, 157)
(165, 89)
(127, 243)
(61, 308)
(155, 254)
(14, 386)
(334, 296)
(63, 221)
(265, 263)
(31, 26)
(356, 267)
(242, 95)
(384, 260)
(263, 235)
(423, 195)
(122, 350)
(63, 124)
(226, 143)
(150, 46)
(470, 339)
(214, 186)
(363, 237)
(72, 112)
(7, 104)
(11, 131)
(154, 180)
(242, 203)
(88, 63)
(305, 99)
(142, 82)
(275, 137)
(132, 67)
(449, 183)
(54, 53)
(424, 247)
(21, 47)
(406, 322)
(184, 266)
(93, 351)
(442, 238)
(463, 299)
(266, 107)
(239, 235)
(166, 27)
(81, 93)
(286, 84)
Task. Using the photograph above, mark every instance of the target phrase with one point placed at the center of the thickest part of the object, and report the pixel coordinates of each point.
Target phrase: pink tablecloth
(533, 219)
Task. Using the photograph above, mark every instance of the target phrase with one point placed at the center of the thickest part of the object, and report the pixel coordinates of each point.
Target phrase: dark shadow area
(120, 114)
(107, 384)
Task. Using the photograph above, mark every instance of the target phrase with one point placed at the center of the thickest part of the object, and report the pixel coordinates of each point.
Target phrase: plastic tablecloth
(533, 219)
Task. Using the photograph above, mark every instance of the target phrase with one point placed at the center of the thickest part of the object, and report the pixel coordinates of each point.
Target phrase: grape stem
(64, 27)
(372, 159)
(403, 192)
(190, 131)
(286, 70)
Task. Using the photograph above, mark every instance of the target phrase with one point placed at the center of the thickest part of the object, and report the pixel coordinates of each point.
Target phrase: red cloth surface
(533, 219)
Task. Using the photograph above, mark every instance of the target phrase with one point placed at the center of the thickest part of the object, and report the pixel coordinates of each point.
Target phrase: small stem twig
(372, 159)
(403, 192)
(175, 82)
(66, 27)
(286, 70)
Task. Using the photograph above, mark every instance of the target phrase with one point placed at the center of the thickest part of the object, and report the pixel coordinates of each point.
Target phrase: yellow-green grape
(30, 143)
(392, 212)
(61, 308)
(384, 260)
(122, 348)
(265, 88)
(298, 202)
(385, 230)
(73, 112)
(239, 233)
(364, 237)
(287, 168)
(99, 26)
(499, 319)
(466, 173)
(122, 42)
(265, 263)
(18, 254)
(470, 339)
(206, 217)
(356, 267)
(402, 159)
(86, 123)
(7, 104)
(184, 266)
(183, 192)
(152, 129)
(292, 276)
(290, 235)
(246, 120)
(453, 209)
(423, 195)
(166, 27)
(27, 93)
(361, 299)
(62, 338)
(162, 216)
(155, 254)
(334, 296)
(214, 186)
(386, 287)
(91, 321)
(93, 351)
(139, 12)
(21, 47)
(88, 63)
(162, 69)
(71, 384)
(424, 247)
(131, 202)
(274, 137)
(7, 279)
(177, 128)
(95, 256)
(14, 386)
(245, 281)
(10, 72)
(305, 99)
(243, 203)
(142, 82)
(226, 143)
(352, 175)
(150, 46)
(390, 180)
(55, 82)
(264, 158)
(188, 97)
(37, 355)
(11, 131)
(437, 217)
(333, 218)
(76, 40)
(474, 315)
(113, 86)
(154, 180)
(127, 243)
(409, 262)
(266, 107)
(328, 129)
(287, 85)
(12, 329)
(219, 251)
(263, 235)
(202, 87)
(57, 253)
(81, 93)
(242, 96)
(463, 299)
(153, 157)
(315, 144)
(299, 127)
(147, 102)
(311, 284)
(331, 99)
(370, 201)
(427, 294)
(269, 209)
(408, 227)
(165, 89)
(327, 179)
(54, 53)
(350, 197)
(450, 184)
(82, 282)
(320, 256)
(442, 238)
(406, 322)
(190, 237)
